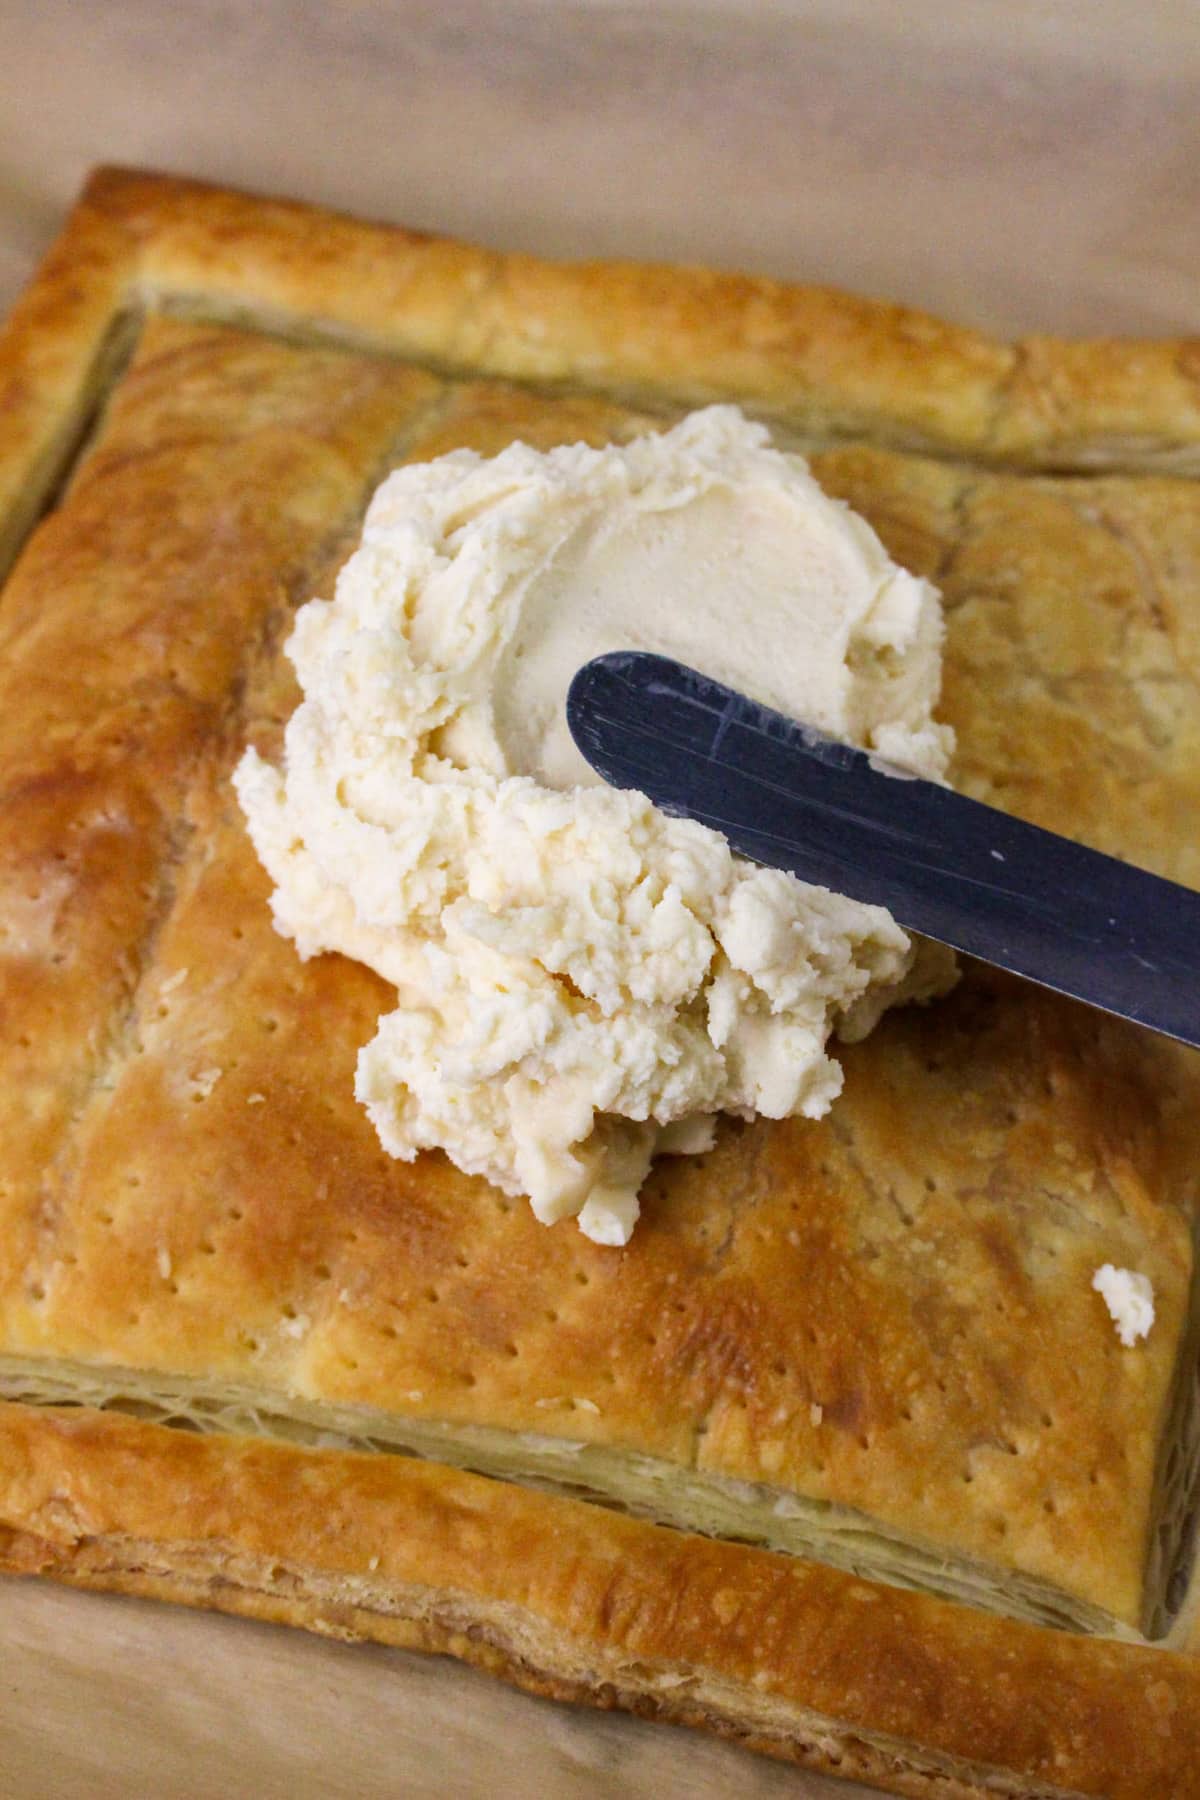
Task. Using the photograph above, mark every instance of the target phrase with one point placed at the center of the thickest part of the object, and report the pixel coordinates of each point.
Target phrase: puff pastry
(842, 1455)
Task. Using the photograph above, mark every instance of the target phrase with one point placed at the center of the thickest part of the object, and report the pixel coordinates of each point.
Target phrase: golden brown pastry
(870, 1345)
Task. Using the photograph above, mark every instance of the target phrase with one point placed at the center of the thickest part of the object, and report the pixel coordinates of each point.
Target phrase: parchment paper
(1015, 171)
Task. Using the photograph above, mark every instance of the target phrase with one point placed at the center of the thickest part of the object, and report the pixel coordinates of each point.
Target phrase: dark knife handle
(943, 865)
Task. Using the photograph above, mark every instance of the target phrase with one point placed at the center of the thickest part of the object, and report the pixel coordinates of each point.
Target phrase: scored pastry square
(227, 1221)
(873, 1340)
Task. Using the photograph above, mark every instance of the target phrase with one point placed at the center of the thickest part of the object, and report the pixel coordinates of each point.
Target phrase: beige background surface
(1017, 167)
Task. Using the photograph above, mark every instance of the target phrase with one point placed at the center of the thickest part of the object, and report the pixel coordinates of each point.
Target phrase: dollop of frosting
(582, 981)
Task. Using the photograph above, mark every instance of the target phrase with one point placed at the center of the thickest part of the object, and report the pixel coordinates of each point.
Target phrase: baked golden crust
(581, 1602)
(814, 358)
(875, 1338)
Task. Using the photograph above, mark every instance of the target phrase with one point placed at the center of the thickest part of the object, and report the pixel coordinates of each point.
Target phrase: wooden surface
(1014, 170)
(1019, 167)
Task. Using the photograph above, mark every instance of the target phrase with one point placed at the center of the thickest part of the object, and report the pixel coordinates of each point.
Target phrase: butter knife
(951, 868)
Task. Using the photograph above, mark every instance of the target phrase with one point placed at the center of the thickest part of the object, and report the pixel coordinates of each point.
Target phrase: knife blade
(784, 795)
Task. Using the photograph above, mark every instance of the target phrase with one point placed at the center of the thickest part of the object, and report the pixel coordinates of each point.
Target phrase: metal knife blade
(782, 794)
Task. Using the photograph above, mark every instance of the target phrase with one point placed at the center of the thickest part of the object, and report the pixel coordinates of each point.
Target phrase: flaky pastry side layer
(643, 1486)
(582, 1604)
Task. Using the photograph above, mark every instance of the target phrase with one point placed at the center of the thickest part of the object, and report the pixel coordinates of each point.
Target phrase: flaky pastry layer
(873, 1340)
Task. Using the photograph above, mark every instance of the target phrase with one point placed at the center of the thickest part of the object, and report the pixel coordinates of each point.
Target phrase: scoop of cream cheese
(583, 982)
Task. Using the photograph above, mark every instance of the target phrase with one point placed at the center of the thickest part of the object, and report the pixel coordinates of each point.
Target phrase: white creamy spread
(583, 982)
(1129, 1298)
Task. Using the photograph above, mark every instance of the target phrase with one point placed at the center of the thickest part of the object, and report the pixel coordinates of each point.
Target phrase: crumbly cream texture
(1129, 1298)
(582, 981)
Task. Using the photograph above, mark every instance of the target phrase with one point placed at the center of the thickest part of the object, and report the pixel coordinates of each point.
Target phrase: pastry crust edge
(580, 1603)
(810, 359)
